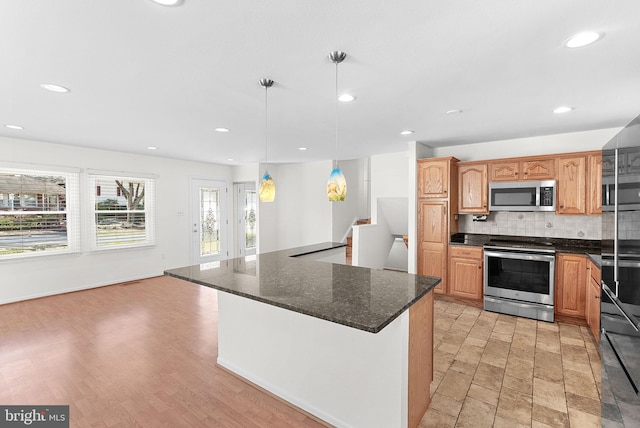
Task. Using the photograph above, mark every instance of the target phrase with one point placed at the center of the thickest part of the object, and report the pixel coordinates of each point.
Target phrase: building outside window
(38, 212)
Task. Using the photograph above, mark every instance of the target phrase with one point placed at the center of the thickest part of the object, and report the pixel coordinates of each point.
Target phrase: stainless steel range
(519, 278)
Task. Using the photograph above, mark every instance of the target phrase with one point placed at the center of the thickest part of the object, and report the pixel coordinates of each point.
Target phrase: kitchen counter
(358, 297)
(302, 329)
(561, 245)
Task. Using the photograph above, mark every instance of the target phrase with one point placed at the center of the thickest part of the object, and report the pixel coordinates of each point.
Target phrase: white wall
(532, 146)
(268, 214)
(388, 178)
(302, 210)
(53, 274)
(343, 213)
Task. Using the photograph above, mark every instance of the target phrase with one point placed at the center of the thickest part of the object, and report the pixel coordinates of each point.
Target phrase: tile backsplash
(534, 224)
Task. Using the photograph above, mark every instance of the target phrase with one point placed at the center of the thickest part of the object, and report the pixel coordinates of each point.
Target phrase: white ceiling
(143, 75)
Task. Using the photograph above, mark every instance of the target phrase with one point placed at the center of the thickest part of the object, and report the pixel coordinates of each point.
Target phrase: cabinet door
(472, 189)
(544, 169)
(433, 241)
(593, 300)
(572, 185)
(570, 285)
(504, 171)
(594, 188)
(633, 162)
(465, 272)
(433, 178)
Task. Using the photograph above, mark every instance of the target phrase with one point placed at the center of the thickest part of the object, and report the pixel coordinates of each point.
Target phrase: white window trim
(72, 211)
(149, 209)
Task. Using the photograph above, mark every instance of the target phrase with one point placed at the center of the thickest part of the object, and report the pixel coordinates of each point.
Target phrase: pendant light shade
(267, 188)
(337, 185)
(267, 191)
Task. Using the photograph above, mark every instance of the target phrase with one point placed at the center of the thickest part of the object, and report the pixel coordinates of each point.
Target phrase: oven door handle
(614, 298)
(520, 256)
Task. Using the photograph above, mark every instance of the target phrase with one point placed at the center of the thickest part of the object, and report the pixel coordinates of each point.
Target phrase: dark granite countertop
(362, 298)
(561, 245)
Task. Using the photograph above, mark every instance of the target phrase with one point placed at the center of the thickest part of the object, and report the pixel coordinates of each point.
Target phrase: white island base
(342, 375)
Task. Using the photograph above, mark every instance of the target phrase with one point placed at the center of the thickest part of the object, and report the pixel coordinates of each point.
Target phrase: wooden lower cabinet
(570, 285)
(434, 240)
(593, 300)
(465, 271)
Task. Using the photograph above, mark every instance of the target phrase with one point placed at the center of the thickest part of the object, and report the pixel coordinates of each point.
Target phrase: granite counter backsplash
(562, 245)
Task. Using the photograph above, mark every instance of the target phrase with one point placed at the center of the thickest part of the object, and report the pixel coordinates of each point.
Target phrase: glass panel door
(246, 212)
(209, 221)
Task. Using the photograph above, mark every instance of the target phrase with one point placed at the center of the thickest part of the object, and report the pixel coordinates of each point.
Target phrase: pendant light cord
(336, 116)
(266, 129)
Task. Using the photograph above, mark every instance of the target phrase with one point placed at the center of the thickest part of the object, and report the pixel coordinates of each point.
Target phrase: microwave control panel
(546, 196)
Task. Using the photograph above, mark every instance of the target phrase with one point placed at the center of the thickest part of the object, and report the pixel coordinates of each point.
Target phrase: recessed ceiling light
(54, 88)
(302, 149)
(455, 111)
(152, 148)
(582, 39)
(406, 132)
(562, 109)
(346, 98)
(229, 159)
(221, 130)
(168, 2)
(13, 126)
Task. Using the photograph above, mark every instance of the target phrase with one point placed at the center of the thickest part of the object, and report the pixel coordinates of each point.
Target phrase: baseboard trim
(281, 396)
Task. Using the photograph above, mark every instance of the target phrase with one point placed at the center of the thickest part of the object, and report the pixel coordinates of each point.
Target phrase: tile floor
(494, 370)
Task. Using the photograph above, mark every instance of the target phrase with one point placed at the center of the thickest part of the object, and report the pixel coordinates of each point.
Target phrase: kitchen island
(350, 345)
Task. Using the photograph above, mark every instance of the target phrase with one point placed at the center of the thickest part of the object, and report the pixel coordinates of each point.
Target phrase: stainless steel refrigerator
(620, 299)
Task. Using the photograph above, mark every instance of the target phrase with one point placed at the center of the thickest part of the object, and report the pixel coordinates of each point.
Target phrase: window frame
(71, 210)
(149, 208)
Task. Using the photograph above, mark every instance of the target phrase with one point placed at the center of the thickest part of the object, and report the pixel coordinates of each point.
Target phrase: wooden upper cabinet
(633, 162)
(538, 169)
(473, 189)
(523, 169)
(571, 186)
(594, 185)
(504, 171)
(433, 178)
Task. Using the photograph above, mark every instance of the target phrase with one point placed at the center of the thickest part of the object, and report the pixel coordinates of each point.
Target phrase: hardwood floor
(136, 354)
(143, 354)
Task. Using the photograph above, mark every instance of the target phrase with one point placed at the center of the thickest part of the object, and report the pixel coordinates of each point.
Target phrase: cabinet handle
(561, 206)
(516, 173)
(479, 267)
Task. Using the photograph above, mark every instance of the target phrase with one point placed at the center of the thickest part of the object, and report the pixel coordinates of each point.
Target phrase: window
(38, 212)
(122, 211)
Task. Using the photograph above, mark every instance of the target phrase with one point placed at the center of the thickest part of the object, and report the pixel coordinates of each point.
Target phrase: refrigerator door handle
(614, 298)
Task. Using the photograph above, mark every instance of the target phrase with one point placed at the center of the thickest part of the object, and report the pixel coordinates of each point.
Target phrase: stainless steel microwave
(522, 196)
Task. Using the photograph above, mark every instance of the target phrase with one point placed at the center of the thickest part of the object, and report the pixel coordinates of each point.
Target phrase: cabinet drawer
(465, 251)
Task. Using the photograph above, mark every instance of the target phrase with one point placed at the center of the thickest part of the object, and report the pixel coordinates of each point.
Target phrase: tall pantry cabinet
(437, 215)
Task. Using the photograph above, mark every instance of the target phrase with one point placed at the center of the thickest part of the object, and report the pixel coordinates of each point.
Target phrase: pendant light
(267, 186)
(337, 185)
